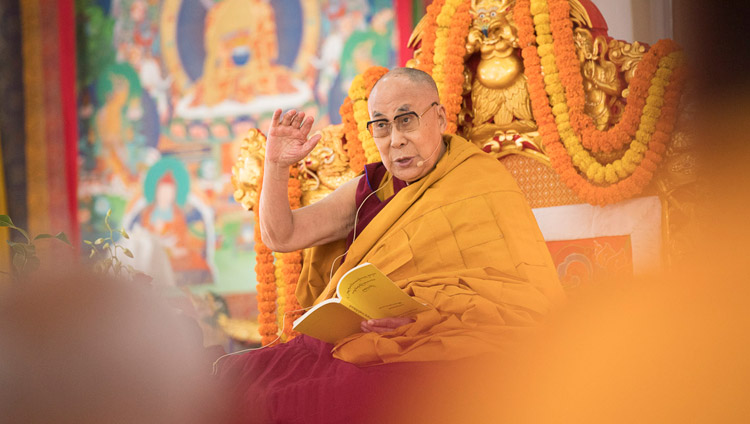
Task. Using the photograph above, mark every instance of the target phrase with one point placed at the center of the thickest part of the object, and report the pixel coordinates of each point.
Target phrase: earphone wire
(354, 234)
(215, 367)
(421, 162)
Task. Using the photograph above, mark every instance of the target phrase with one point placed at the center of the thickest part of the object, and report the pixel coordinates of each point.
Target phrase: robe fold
(461, 239)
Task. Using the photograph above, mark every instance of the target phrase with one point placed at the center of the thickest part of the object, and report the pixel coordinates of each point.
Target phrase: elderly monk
(445, 221)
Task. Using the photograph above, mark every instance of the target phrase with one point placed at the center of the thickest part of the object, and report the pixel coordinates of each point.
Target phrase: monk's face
(408, 155)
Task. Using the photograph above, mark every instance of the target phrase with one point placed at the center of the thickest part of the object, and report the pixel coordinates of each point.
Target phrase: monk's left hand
(384, 325)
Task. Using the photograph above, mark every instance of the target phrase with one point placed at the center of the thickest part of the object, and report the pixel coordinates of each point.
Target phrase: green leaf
(124, 234)
(62, 237)
(32, 263)
(5, 221)
(43, 236)
(88, 242)
(106, 246)
(19, 262)
(99, 241)
(18, 248)
(22, 231)
(127, 252)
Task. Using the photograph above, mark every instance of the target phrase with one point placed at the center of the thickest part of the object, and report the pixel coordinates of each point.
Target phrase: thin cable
(283, 319)
(354, 235)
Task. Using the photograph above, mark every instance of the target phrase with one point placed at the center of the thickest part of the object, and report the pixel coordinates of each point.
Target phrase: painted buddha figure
(241, 53)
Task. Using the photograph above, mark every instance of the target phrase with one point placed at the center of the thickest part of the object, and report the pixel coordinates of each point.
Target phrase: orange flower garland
(454, 64)
(618, 136)
(266, 287)
(280, 290)
(549, 128)
(426, 62)
(442, 52)
(292, 263)
(353, 146)
(354, 115)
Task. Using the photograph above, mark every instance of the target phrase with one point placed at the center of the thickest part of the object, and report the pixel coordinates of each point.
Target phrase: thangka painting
(170, 87)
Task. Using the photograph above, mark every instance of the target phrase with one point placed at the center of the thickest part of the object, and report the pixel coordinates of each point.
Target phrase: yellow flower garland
(442, 55)
(663, 107)
(359, 91)
(582, 159)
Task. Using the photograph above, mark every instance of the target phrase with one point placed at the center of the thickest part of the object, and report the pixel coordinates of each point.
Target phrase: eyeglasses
(405, 122)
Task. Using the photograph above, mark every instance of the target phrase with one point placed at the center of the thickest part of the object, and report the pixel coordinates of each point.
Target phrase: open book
(362, 293)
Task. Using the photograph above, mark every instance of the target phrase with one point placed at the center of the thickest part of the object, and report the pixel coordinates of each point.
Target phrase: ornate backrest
(577, 117)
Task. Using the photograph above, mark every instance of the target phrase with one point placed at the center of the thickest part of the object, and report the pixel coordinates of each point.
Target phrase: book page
(329, 321)
(370, 293)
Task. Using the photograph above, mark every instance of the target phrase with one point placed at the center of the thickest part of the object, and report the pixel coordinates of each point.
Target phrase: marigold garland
(426, 60)
(292, 264)
(354, 114)
(280, 290)
(618, 136)
(354, 148)
(264, 273)
(553, 113)
(442, 52)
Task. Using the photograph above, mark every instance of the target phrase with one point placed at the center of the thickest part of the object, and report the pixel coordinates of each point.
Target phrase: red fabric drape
(403, 9)
(66, 27)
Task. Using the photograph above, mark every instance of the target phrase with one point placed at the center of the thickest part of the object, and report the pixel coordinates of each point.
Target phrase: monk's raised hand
(288, 141)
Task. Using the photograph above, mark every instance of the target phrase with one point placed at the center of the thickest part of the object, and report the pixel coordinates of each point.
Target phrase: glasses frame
(401, 115)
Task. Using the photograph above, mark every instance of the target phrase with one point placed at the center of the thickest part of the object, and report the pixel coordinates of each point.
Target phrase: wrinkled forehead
(399, 94)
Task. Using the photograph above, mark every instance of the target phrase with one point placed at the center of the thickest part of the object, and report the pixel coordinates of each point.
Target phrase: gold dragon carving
(321, 172)
(248, 168)
(326, 167)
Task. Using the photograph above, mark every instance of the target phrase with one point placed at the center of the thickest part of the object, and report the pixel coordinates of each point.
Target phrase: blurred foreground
(79, 348)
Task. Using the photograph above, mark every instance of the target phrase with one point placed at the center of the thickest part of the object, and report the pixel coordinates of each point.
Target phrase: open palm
(288, 141)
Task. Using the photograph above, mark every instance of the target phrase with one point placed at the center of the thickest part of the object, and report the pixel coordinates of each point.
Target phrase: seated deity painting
(240, 69)
(171, 225)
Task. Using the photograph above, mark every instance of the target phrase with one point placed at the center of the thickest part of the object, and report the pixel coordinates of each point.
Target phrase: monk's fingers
(307, 124)
(381, 330)
(288, 117)
(310, 143)
(389, 322)
(276, 118)
(297, 120)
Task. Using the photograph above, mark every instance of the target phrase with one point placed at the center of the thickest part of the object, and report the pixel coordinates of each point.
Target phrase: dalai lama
(445, 221)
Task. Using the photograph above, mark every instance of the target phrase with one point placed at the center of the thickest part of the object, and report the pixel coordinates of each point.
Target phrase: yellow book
(362, 293)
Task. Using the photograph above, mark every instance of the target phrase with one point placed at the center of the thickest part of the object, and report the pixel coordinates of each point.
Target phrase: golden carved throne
(590, 127)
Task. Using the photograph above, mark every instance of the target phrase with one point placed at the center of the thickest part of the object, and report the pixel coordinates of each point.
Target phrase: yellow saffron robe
(461, 239)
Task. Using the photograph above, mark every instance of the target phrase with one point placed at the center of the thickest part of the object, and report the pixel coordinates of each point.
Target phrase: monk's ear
(442, 118)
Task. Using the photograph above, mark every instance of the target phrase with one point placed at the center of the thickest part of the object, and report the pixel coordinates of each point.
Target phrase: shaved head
(414, 76)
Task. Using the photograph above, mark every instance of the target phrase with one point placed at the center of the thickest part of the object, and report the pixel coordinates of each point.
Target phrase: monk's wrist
(276, 171)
